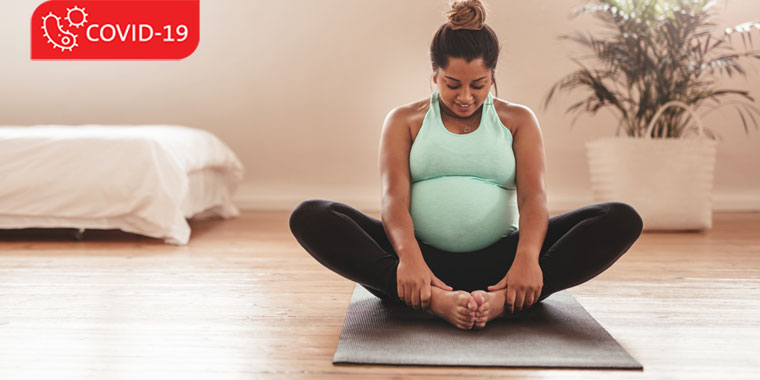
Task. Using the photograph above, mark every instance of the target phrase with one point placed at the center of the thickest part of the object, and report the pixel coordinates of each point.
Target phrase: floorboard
(244, 300)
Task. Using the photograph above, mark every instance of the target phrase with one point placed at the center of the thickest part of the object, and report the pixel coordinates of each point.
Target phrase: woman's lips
(463, 108)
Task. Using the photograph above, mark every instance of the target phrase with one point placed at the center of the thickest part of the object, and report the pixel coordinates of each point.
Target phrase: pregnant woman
(465, 232)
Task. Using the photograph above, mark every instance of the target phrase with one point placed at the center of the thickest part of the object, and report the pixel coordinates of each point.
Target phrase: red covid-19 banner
(115, 29)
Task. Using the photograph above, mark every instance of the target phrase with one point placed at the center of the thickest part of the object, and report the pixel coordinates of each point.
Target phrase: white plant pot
(668, 181)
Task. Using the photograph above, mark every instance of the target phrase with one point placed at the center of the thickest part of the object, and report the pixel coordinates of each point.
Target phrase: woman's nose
(465, 96)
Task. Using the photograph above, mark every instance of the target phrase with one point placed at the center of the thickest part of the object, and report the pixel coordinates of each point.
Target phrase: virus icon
(58, 36)
(61, 39)
(79, 14)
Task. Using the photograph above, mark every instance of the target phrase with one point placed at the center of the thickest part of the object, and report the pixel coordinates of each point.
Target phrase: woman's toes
(483, 316)
(479, 299)
(465, 319)
(471, 310)
(472, 304)
(464, 325)
(466, 310)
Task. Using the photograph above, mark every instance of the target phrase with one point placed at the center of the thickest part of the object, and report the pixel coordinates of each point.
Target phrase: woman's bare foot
(490, 306)
(457, 307)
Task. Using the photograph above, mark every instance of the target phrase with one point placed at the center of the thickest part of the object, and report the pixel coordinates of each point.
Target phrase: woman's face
(463, 87)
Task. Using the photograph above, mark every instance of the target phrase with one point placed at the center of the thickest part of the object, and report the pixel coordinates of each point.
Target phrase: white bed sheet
(142, 179)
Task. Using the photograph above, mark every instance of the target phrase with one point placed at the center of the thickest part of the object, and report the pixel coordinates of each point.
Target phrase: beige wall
(299, 89)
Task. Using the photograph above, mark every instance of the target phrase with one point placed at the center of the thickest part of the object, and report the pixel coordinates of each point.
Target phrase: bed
(146, 179)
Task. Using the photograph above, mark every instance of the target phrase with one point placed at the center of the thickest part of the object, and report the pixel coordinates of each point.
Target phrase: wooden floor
(243, 300)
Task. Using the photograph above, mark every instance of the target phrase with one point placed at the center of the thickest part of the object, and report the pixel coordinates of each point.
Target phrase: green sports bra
(463, 193)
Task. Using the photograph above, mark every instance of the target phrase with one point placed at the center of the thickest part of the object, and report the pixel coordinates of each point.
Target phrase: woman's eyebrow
(457, 80)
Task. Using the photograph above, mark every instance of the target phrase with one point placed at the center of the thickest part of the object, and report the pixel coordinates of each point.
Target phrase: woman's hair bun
(467, 14)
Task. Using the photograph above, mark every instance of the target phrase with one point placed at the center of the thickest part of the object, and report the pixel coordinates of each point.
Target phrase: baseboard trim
(287, 198)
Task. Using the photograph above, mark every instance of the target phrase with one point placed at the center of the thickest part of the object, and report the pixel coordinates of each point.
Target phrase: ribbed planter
(668, 181)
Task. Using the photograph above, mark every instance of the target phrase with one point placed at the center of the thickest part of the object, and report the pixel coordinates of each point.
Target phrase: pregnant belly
(462, 214)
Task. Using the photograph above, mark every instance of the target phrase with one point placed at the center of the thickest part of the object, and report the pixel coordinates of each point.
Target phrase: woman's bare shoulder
(414, 109)
(511, 114)
(412, 115)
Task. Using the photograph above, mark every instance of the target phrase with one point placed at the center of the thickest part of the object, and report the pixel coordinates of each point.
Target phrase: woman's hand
(523, 282)
(413, 280)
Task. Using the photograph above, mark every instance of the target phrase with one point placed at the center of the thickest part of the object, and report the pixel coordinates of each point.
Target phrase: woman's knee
(624, 218)
(308, 212)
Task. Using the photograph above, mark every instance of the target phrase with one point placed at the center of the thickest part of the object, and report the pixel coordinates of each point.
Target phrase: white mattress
(141, 179)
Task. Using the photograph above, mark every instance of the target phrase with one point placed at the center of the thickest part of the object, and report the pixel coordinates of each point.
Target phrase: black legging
(579, 245)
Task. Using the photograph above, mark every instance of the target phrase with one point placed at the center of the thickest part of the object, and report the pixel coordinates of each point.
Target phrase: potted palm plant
(654, 67)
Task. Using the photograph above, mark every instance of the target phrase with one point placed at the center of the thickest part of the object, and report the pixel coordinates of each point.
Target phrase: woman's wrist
(412, 260)
(410, 256)
(528, 255)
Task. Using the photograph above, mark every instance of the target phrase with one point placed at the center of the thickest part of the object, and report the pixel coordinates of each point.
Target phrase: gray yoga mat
(557, 333)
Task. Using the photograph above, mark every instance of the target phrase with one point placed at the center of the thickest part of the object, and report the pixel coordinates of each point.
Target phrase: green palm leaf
(654, 51)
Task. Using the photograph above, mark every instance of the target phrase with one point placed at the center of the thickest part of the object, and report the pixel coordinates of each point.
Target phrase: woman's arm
(413, 276)
(531, 191)
(395, 144)
(524, 279)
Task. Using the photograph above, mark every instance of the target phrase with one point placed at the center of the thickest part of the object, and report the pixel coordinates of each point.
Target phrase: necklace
(465, 127)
